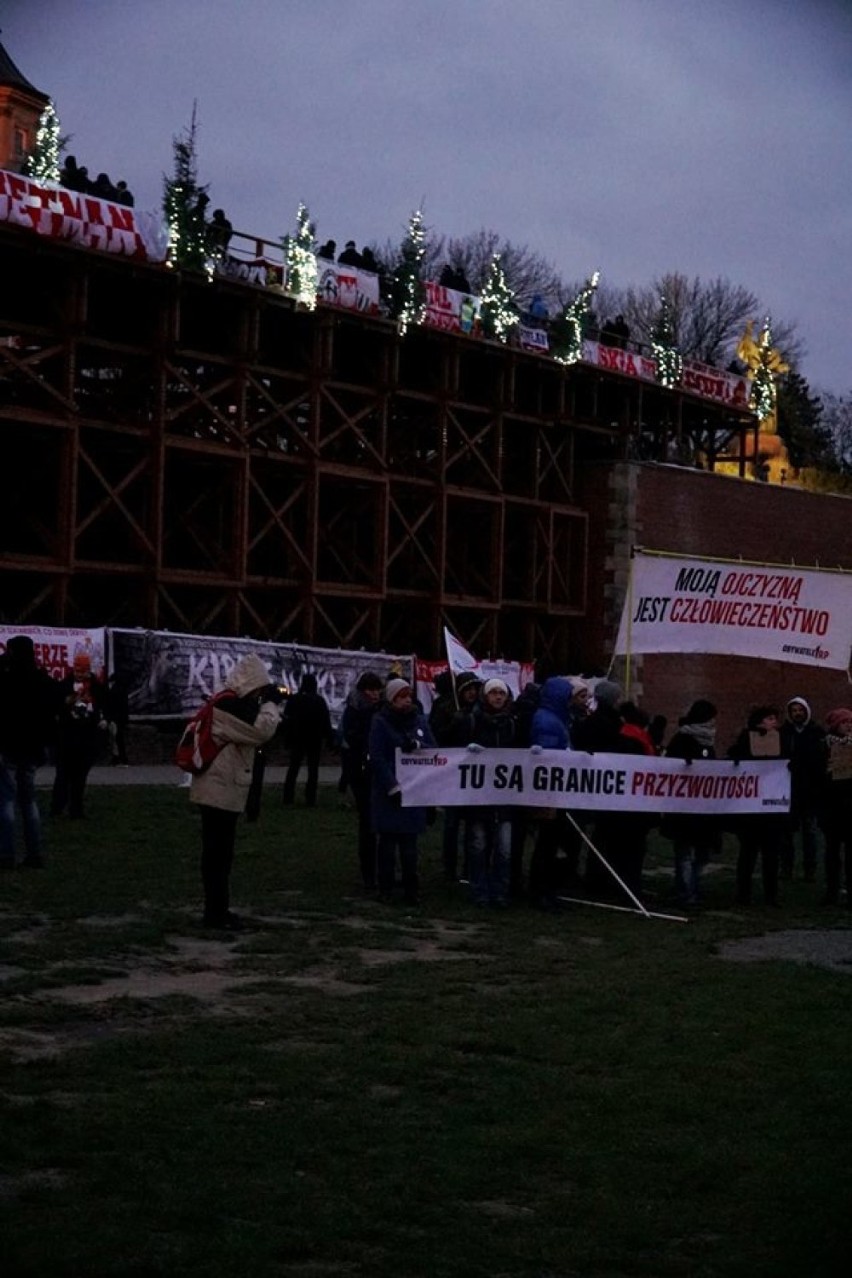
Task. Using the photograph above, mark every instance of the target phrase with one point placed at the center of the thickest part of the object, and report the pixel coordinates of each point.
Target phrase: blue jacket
(391, 730)
(551, 722)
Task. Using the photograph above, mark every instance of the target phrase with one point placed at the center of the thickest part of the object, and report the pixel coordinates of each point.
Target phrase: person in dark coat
(761, 836)
(490, 829)
(836, 806)
(81, 734)
(804, 745)
(397, 725)
(350, 255)
(619, 836)
(695, 835)
(550, 730)
(29, 704)
(307, 728)
(327, 251)
(355, 727)
(451, 721)
(117, 716)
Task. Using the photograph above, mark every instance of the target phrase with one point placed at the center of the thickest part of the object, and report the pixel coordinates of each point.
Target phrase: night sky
(634, 136)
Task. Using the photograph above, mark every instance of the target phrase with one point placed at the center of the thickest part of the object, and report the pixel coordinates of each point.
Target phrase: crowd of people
(600, 853)
(75, 720)
(75, 177)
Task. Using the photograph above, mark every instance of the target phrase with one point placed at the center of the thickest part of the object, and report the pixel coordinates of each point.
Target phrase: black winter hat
(467, 680)
(700, 712)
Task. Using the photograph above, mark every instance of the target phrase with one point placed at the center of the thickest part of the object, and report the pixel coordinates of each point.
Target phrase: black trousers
(367, 850)
(300, 754)
(218, 836)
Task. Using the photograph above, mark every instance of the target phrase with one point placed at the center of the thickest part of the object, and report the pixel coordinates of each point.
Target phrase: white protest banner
(603, 782)
(749, 610)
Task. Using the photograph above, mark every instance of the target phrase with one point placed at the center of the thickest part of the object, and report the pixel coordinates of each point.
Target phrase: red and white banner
(595, 782)
(713, 383)
(619, 361)
(699, 379)
(56, 648)
(450, 310)
(763, 610)
(347, 287)
(81, 219)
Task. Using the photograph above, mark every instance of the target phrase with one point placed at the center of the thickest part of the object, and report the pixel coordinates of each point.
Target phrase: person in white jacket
(240, 724)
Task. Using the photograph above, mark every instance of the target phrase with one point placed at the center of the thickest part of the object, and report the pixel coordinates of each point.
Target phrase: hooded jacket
(551, 723)
(805, 748)
(240, 725)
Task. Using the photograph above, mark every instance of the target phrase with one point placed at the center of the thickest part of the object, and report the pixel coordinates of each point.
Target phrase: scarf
(704, 734)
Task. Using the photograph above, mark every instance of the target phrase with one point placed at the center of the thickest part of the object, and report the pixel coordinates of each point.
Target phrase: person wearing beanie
(243, 719)
(804, 744)
(307, 728)
(490, 829)
(397, 725)
(29, 703)
(451, 721)
(696, 837)
(761, 836)
(362, 704)
(836, 808)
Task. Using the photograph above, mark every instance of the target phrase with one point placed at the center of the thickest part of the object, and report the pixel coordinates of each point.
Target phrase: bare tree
(708, 316)
(837, 421)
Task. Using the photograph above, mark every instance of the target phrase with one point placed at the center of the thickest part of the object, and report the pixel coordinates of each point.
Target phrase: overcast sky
(634, 136)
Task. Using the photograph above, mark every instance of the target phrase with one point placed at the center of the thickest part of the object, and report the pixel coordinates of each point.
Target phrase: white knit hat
(494, 685)
(395, 687)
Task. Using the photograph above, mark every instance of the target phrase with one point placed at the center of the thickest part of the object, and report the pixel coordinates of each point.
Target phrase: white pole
(624, 909)
(640, 908)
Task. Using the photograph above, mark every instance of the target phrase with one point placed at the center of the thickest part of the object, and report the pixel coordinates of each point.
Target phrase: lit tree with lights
(567, 330)
(300, 253)
(765, 365)
(42, 164)
(498, 312)
(407, 290)
(185, 205)
(667, 357)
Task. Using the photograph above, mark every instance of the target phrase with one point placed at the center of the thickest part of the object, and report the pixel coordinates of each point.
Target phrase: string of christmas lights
(497, 312)
(408, 292)
(667, 358)
(300, 252)
(568, 329)
(42, 164)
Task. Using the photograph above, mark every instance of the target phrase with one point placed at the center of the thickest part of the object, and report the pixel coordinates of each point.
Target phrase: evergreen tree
(407, 292)
(185, 205)
(497, 311)
(42, 164)
(567, 331)
(667, 357)
(800, 424)
(300, 254)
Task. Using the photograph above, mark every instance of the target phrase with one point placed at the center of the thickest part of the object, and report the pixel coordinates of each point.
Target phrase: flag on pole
(458, 657)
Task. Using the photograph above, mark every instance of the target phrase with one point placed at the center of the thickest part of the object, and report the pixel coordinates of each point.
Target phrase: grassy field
(355, 1089)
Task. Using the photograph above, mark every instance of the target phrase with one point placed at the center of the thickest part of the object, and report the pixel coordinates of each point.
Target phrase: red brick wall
(698, 513)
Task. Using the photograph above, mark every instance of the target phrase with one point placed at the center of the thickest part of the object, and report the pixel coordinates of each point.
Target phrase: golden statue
(765, 366)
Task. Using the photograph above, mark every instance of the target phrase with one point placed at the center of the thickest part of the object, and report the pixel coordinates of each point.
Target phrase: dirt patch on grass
(818, 947)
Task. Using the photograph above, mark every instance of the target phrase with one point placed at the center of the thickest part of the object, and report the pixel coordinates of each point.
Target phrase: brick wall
(698, 513)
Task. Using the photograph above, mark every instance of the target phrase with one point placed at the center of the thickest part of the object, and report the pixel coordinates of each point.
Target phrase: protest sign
(597, 782)
(776, 613)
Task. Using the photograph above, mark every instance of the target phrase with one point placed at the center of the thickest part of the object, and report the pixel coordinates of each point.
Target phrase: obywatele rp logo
(424, 761)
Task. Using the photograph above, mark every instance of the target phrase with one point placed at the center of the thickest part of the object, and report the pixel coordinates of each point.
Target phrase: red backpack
(196, 749)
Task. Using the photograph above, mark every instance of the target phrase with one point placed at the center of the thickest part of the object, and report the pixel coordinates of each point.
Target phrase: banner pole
(623, 909)
(588, 842)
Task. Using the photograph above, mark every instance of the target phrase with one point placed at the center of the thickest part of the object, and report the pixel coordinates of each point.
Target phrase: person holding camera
(399, 724)
(240, 724)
